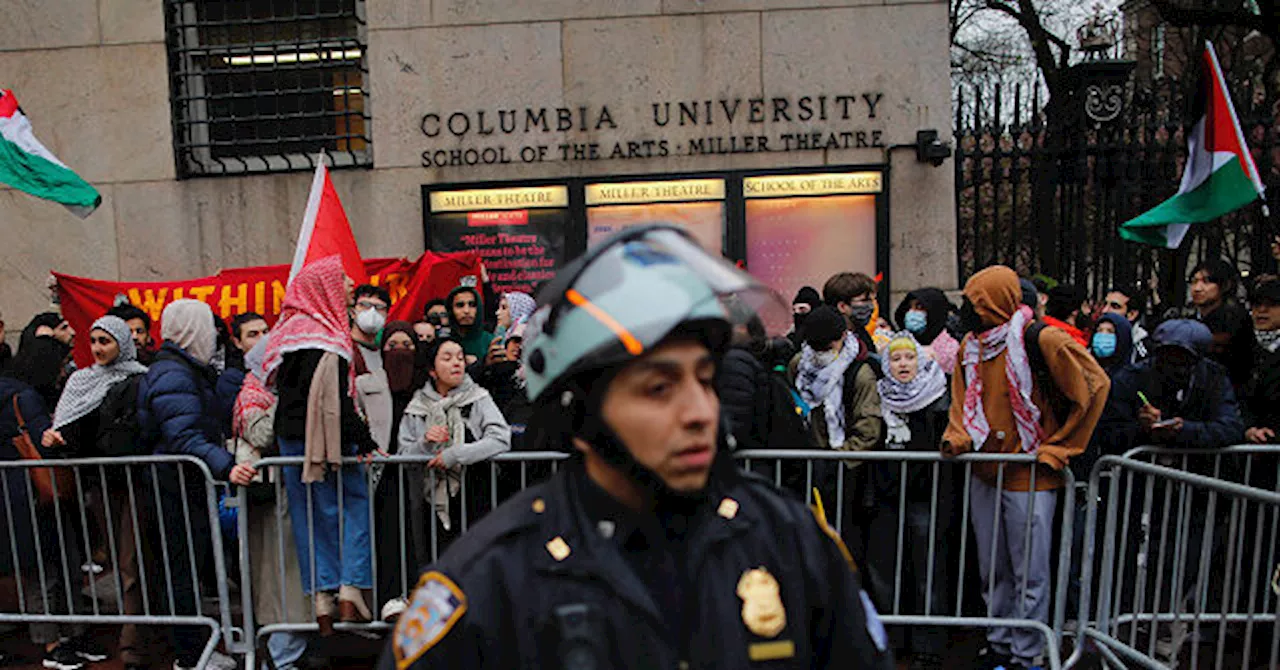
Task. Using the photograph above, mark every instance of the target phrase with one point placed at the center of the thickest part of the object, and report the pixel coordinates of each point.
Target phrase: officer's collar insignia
(558, 548)
(728, 508)
(437, 605)
(607, 529)
(539, 506)
(762, 610)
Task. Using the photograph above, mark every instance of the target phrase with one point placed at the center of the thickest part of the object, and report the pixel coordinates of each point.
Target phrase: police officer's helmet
(627, 294)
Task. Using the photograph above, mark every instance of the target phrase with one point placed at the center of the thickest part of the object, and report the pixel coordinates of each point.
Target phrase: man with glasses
(853, 294)
(466, 315)
(371, 305)
(1130, 304)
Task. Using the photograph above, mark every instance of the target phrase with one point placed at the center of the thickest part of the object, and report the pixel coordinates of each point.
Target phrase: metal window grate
(264, 85)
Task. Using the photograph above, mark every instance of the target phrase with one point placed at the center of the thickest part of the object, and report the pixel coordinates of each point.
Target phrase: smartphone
(1167, 423)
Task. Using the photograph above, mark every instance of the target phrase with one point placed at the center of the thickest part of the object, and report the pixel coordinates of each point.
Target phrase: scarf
(313, 316)
(824, 384)
(323, 450)
(254, 395)
(189, 324)
(982, 347)
(898, 399)
(443, 411)
(1269, 340)
(519, 307)
(87, 388)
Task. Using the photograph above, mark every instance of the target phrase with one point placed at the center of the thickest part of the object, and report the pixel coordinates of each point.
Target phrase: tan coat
(1081, 383)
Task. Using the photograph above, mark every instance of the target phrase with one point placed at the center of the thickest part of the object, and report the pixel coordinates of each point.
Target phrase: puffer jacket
(179, 411)
(740, 381)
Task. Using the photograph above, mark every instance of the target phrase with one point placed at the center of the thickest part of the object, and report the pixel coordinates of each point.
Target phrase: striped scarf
(982, 347)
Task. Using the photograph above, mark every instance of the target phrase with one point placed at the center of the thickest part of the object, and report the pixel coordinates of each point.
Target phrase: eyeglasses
(101, 340)
(369, 304)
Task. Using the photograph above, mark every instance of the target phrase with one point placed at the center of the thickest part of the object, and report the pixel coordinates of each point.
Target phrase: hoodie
(1082, 389)
(936, 306)
(935, 339)
(1124, 343)
(1202, 395)
(475, 339)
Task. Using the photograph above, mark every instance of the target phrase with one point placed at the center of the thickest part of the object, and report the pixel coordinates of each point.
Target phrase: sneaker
(62, 658)
(86, 649)
(393, 609)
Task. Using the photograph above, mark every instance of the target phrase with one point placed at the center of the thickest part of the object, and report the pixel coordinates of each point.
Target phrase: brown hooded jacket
(1082, 387)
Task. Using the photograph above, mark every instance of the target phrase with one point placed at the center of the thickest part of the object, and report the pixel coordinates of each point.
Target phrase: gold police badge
(762, 610)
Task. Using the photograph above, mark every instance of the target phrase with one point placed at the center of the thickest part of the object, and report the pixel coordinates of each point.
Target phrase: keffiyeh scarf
(899, 399)
(824, 385)
(87, 388)
(313, 316)
(982, 347)
(1268, 339)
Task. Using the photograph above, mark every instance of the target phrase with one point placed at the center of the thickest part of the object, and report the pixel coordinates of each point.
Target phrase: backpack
(1058, 403)
(119, 429)
(788, 414)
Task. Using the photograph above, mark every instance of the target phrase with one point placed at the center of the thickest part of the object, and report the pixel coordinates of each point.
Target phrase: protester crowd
(1015, 366)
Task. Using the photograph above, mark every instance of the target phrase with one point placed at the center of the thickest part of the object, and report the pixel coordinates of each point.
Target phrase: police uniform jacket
(561, 573)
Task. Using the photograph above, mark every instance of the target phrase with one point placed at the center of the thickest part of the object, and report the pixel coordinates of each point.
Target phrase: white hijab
(189, 324)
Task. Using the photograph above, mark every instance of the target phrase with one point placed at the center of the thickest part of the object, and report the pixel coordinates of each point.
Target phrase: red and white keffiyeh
(984, 347)
(313, 316)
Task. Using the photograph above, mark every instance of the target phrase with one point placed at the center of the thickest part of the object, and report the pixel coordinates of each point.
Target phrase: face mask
(916, 321)
(370, 321)
(1104, 345)
(824, 358)
(970, 321)
(799, 319)
(398, 364)
(861, 315)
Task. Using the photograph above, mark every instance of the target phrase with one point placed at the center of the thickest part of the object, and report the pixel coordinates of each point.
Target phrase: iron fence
(1049, 195)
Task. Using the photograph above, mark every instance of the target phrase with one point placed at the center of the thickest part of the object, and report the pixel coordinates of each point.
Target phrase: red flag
(326, 230)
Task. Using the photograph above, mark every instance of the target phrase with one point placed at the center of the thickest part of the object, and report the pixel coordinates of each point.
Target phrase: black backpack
(1040, 370)
(119, 430)
(788, 415)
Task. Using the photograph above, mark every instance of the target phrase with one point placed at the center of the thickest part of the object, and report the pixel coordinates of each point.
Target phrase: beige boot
(353, 606)
(325, 609)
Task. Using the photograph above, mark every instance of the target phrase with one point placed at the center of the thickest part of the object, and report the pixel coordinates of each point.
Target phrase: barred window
(265, 85)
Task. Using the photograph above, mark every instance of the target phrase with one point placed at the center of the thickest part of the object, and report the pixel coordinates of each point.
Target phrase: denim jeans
(337, 521)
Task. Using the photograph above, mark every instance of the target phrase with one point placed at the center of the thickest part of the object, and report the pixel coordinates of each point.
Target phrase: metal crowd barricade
(1189, 567)
(416, 535)
(117, 507)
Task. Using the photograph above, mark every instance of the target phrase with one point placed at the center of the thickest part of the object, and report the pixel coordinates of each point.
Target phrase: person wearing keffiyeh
(309, 361)
(914, 401)
(998, 406)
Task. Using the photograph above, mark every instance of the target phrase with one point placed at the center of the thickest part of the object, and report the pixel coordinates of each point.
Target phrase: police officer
(649, 549)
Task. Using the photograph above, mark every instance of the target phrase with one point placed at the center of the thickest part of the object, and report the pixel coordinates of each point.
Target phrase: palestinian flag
(27, 166)
(1219, 176)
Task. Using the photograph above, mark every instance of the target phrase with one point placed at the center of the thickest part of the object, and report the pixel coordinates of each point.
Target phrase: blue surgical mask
(1104, 345)
(915, 321)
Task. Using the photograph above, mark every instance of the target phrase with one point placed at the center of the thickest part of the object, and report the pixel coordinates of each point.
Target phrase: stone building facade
(768, 127)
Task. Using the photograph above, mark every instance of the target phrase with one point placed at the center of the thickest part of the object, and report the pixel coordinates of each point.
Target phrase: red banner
(258, 289)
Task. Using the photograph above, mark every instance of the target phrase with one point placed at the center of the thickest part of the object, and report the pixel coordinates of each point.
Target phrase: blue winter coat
(179, 411)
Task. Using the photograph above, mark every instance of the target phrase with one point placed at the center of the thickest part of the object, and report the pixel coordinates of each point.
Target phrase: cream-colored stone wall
(92, 75)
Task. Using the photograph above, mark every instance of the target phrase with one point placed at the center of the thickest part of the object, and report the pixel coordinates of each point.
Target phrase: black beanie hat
(824, 326)
(809, 296)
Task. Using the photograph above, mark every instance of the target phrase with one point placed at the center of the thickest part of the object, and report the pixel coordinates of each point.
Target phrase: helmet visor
(671, 279)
